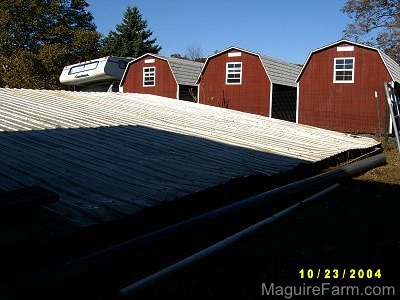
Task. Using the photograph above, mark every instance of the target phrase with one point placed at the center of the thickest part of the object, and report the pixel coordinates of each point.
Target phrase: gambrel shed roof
(185, 71)
(278, 71)
(392, 67)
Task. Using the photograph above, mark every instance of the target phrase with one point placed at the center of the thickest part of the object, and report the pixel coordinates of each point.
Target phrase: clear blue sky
(284, 29)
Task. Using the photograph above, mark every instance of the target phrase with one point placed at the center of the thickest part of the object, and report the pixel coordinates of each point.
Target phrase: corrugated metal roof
(281, 72)
(186, 71)
(111, 154)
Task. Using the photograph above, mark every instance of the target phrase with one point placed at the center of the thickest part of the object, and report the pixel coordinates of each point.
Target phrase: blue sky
(284, 29)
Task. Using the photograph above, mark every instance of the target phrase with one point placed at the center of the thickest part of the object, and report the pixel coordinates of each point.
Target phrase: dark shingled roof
(281, 72)
(185, 71)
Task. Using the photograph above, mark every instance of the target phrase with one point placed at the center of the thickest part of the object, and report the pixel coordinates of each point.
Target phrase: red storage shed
(163, 76)
(341, 87)
(242, 80)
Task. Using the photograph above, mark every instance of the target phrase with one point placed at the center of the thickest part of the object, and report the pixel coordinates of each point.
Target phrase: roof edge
(219, 53)
(336, 43)
(137, 59)
(259, 55)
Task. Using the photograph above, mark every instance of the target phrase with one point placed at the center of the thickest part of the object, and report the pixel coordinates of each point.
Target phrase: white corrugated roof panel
(110, 154)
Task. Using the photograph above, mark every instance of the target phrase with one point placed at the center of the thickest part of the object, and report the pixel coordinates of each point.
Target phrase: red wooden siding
(348, 107)
(165, 84)
(252, 95)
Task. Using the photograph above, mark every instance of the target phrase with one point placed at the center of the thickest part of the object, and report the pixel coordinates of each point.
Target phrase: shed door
(284, 102)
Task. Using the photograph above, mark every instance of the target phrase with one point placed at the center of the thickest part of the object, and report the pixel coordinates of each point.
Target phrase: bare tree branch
(376, 22)
(194, 52)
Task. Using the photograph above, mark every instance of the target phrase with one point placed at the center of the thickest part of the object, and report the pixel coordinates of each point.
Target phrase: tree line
(39, 37)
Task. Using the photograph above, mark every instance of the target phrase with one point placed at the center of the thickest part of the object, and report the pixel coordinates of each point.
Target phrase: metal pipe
(129, 290)
(111, 254)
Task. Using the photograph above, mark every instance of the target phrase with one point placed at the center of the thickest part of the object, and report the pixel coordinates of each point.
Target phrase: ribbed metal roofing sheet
(111, 154)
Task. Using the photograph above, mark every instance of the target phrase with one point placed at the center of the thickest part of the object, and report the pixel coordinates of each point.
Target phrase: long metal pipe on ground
(109, 255)
(131, 289)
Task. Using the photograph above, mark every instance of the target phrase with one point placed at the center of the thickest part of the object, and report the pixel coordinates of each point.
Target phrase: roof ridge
(278, 60)
(183, 60)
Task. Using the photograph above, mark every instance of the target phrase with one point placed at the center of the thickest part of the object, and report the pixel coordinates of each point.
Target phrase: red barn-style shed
(163, 76)
(246, 81)
(341, 87)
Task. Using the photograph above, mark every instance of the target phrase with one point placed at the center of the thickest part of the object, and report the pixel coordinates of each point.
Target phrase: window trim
(335, 70)
(240, 73)
(148, 74)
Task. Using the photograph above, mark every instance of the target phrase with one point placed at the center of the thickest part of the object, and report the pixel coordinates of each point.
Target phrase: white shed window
(149, 76)
(233, 73)
(344, 70)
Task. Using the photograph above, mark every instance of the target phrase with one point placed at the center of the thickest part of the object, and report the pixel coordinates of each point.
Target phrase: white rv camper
(97, 75)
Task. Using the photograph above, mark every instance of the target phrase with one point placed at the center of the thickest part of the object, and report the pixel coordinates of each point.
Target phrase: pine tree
(39, 37)
(131, 38)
